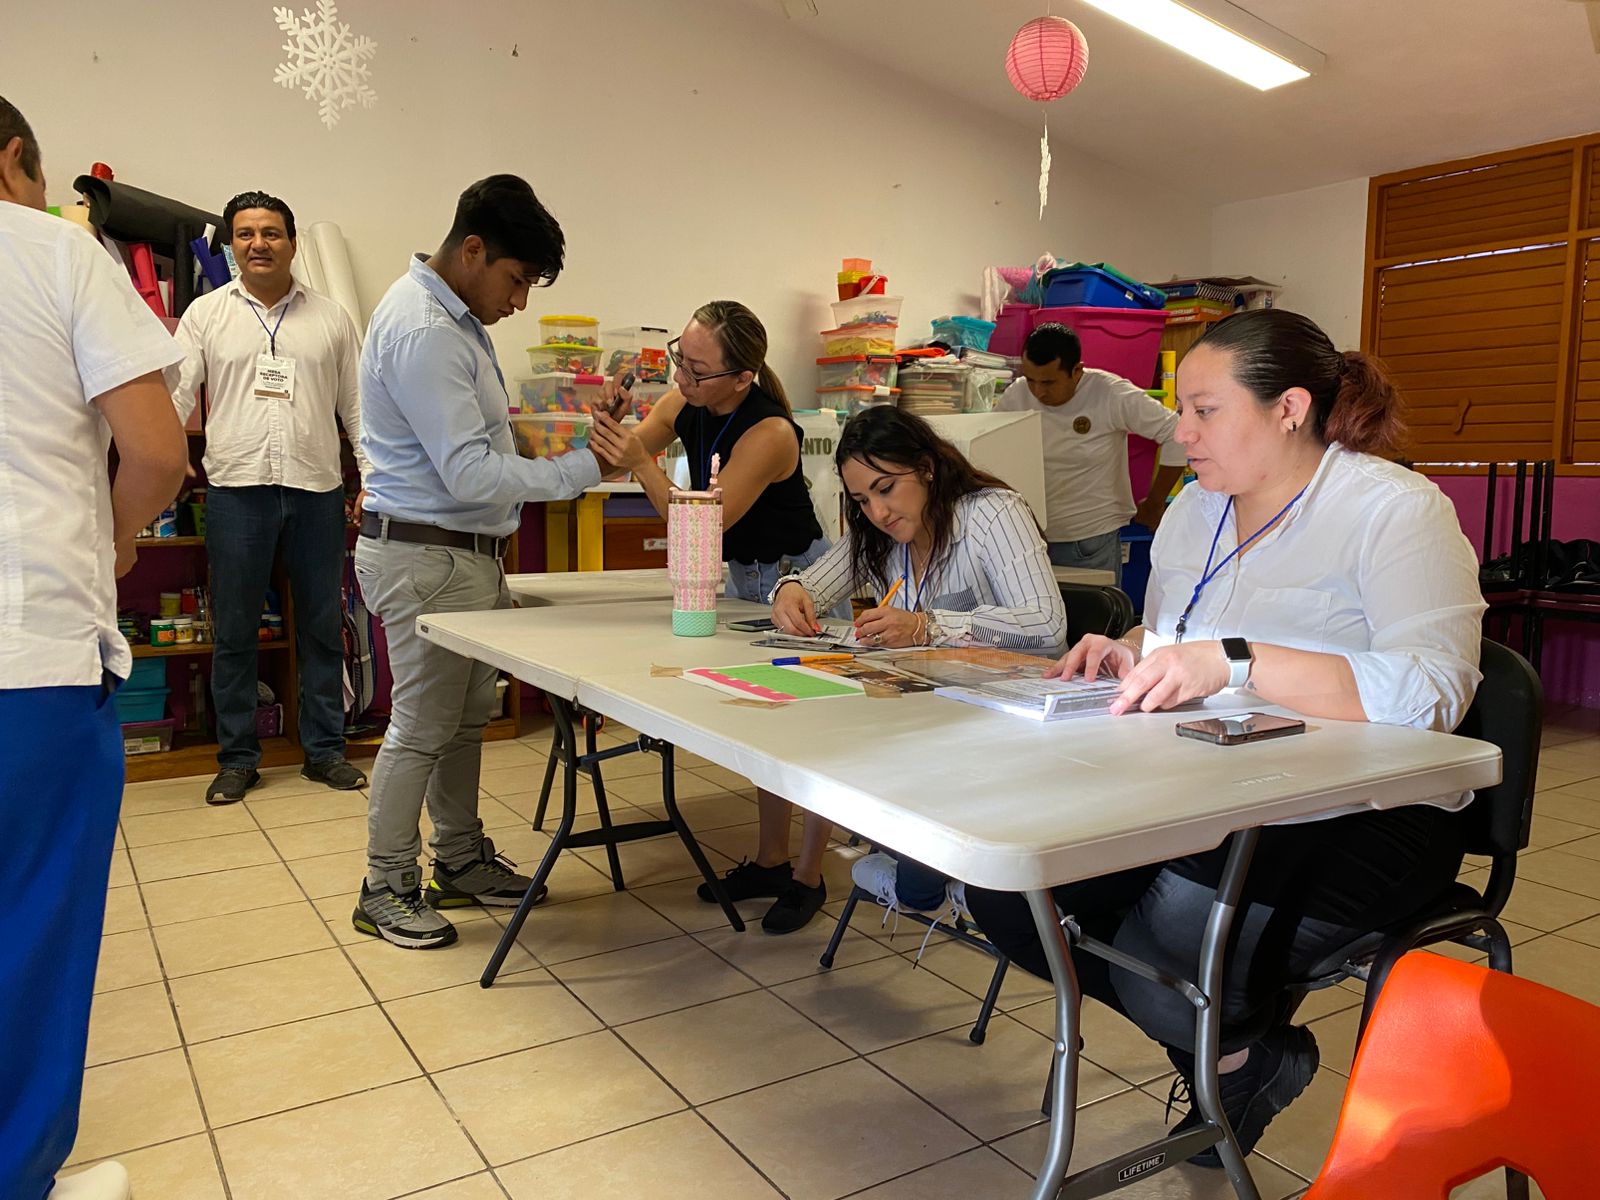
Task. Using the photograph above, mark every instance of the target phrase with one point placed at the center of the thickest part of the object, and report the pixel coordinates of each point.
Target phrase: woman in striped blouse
(967, 566)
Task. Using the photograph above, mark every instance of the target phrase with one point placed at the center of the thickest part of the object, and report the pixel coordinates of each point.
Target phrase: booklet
(1040, 699)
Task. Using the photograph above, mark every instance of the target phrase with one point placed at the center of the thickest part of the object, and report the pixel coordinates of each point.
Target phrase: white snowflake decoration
(325, 61)
(1044, 169)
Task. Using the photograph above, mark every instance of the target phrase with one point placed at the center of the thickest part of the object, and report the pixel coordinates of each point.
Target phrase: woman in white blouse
(1311, 573)
(964, 558)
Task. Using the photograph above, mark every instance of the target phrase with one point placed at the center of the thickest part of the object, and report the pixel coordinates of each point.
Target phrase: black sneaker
(750, 881)
(1280, 1067)
(794, 907)
(337, 773)
(231, 784)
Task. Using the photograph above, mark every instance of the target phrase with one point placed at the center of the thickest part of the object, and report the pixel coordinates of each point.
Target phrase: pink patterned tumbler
(694, 560)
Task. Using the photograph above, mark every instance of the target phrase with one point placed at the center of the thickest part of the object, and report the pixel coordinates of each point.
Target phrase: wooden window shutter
(1586, 398)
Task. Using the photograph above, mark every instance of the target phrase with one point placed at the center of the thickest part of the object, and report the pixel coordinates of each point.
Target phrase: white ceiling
(1407, 82)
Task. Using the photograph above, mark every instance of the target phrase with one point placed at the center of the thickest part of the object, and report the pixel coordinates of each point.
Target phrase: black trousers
(1311, 889)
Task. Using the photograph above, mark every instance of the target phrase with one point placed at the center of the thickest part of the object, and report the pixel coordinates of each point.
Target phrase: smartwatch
(1237, 651)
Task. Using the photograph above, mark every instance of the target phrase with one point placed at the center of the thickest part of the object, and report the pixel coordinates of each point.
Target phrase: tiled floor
(247, 1043)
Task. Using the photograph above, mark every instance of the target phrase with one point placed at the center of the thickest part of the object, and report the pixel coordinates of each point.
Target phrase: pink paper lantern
(1047, 58)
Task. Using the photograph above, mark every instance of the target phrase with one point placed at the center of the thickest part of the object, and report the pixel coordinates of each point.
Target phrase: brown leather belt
(388, 529)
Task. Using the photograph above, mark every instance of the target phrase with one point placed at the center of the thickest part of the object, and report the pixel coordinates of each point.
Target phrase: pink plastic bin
(1011, 328)
(1124, 341)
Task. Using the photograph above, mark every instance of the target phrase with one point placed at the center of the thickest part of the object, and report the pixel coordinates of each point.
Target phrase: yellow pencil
(884, 603)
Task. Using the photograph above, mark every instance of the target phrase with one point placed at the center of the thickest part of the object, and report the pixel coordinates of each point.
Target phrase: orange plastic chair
(1464, 1070)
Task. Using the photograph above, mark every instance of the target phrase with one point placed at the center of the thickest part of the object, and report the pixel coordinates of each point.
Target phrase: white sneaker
(108, 1181)
(955, 893)
(874, 873)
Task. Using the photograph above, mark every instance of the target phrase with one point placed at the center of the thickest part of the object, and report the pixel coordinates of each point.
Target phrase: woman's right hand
(611, 393)
(617, 443)
(1095, 655)
(792, 611)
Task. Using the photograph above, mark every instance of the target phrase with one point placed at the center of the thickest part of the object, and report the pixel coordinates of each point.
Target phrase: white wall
(1312, 242)
(691, 150)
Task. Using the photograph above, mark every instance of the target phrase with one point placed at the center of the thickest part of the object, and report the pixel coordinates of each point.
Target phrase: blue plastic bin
(141, 704)
(1136, 541)
(971, 332)
(147, 673)
(1090, 287)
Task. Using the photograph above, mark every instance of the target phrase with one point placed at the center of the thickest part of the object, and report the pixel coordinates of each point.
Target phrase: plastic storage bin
(147, 673)
(544, 435)
(641, 349)
(963, 331)
(1136, 541)
(570, 330)
(851, 400)
(141, 704)
(147, 737)
(868, 310)
(856, 370)
(934, 389)
(560, 391)
(1092, 287)
(1124, 341)
(858, 339)
(1011, 328)
(564, 356)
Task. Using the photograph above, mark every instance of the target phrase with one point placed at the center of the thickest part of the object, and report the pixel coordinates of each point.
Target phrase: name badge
(274, 378)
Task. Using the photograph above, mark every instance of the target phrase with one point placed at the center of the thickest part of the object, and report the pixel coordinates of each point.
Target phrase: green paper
(802, 685)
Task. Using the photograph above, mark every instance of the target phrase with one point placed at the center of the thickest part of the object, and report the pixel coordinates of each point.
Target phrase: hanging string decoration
(1045, 61)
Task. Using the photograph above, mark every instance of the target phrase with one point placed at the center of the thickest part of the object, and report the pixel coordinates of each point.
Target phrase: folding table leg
(1213, 951)
(669, 799)
(562, 712)
(604, 809)
(556, 750)
(1064, 1081)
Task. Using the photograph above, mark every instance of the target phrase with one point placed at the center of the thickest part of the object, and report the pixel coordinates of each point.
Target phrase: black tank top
(781, 522)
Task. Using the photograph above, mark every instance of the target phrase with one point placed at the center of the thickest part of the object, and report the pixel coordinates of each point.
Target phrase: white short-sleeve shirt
(1087, 488)
(71, 329)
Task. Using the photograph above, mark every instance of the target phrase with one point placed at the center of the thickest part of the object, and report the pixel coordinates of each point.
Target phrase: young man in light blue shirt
(445, 491)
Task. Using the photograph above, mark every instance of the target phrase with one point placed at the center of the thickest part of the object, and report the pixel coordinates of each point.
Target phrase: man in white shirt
(280, 364)
(1087, 416)
(81, 358)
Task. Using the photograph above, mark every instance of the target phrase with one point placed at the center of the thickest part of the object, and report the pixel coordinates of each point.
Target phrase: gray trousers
(439, 704)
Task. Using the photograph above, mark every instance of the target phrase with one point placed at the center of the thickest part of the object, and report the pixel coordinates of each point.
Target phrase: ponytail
(767, 380)
(1353, 399)
(1365, 414)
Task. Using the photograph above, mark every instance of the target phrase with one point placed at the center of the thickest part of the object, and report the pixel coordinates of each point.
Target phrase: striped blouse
(993, 586)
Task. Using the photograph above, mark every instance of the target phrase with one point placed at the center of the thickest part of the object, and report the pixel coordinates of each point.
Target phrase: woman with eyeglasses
(730, 404)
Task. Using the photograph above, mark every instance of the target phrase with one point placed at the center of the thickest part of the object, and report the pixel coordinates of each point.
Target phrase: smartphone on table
(753, 625)
(1240, 727)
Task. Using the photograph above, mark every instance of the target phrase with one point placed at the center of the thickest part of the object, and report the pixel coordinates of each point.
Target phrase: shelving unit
(184, 649)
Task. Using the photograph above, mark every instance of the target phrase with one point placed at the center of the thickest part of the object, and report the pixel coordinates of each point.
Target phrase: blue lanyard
(1208, 574)
(913, 602)
(705, 458)
(272, 334)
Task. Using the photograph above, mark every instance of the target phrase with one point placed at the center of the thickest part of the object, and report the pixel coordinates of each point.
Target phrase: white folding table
(994, 800)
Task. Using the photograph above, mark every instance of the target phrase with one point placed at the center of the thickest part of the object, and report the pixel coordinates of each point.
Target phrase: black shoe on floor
(1279, 1068)
(750, 881)
(794, 907)
(337, 773)
(231, 784)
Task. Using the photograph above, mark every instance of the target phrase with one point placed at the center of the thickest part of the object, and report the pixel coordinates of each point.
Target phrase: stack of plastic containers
(857, 367)
(1118, 320)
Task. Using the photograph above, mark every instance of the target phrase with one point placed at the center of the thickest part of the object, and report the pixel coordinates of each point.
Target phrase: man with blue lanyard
(279, 364)
(444, 494)
(82, 361)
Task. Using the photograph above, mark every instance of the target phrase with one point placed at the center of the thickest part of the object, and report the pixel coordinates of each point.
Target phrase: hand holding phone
(1240, 727)
(620, 402)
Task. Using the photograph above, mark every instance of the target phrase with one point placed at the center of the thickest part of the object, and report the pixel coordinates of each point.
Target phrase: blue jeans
(755, 581)
(1102, 553)
(60, 789)
(245, 528)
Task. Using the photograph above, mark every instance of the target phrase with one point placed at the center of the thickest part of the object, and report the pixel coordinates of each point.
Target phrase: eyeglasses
(697, 380)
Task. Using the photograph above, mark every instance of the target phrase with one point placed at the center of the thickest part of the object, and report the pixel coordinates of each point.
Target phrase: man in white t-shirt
(1087, 416)
(81, 366)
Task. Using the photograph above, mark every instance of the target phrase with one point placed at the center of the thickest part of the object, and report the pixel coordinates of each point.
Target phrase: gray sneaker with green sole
(397, 913)
(487, 880)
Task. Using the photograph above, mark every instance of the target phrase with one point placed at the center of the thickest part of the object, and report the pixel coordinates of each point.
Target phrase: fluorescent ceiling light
(1246, 58)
